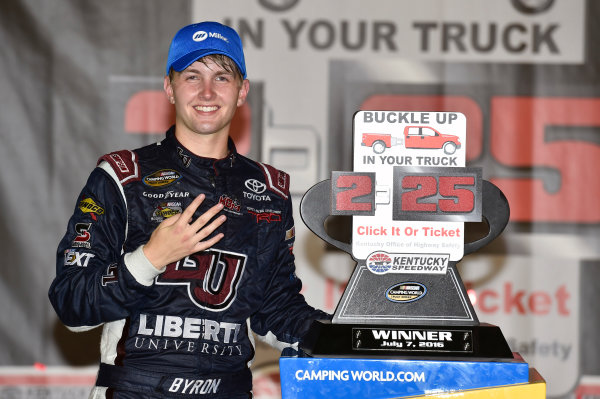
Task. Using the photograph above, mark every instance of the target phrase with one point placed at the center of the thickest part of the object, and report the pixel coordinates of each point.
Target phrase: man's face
(206, 97)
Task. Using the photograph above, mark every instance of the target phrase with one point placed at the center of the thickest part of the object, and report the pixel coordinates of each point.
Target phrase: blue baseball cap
(195, 41)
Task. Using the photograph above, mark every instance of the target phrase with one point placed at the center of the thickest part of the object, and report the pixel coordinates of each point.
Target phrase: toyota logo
(255, 186)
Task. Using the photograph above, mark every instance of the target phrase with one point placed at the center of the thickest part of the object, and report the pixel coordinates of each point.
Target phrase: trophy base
(303, 376)
(534, 389)
(483, 341)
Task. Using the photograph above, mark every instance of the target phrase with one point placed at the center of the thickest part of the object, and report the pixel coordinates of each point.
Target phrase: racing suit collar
(187, 158)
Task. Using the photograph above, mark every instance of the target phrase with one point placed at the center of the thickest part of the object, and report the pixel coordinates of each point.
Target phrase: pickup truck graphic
(423, 137)
(379, 141)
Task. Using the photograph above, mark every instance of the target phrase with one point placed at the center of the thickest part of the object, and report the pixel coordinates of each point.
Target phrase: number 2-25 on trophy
(437, 194)
(353, 193)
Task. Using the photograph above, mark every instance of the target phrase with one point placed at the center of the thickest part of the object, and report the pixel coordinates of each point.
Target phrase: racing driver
(181, 248)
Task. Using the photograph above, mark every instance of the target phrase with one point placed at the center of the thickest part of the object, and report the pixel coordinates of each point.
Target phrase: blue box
(312, 377)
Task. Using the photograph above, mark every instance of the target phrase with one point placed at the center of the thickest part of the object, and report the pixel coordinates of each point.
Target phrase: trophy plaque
(405, 308)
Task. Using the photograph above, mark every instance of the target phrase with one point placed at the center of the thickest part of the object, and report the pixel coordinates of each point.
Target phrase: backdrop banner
(83, 77)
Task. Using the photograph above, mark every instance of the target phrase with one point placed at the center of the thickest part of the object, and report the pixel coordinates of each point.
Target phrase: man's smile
(206, 108)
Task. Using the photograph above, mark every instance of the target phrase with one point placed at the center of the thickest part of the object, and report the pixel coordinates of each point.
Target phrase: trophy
(405, 311)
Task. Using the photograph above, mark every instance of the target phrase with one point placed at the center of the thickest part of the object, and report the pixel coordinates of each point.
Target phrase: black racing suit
(182, 331)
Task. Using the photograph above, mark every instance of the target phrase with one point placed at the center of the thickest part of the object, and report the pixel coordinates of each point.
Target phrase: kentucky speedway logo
(379, 262)
(382, 262)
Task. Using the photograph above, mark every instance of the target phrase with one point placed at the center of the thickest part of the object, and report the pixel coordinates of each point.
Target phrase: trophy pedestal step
(303, 376)
(480, 342)
(534, 389)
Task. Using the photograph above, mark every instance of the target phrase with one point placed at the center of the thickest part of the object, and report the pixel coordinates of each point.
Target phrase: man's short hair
(221, 60)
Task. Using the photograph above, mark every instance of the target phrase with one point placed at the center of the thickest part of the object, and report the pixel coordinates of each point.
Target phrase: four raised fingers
(208, 229)
(206, 217)
(200, 227)
(202, 245)
(188, 213)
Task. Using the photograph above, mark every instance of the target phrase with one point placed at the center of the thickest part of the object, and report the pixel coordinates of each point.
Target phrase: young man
(180, 248)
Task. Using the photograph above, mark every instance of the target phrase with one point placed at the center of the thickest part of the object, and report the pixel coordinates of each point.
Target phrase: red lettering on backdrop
(462, 104)
(148, 112)
(513, 300)
(241, 129)
(540, 302)
(518, 140)
(483, 300)
(521, 302)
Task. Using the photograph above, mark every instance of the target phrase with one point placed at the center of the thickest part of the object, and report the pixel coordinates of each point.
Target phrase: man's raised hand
(179, 236)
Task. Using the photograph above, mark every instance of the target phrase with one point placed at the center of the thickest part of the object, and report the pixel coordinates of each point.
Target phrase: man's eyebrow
(220, 71)
(190, 70)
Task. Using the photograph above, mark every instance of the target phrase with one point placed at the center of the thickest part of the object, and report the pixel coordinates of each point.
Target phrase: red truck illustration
(423, 137)
(379, 141)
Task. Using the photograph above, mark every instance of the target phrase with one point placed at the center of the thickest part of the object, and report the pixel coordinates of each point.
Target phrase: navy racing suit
(183, 331)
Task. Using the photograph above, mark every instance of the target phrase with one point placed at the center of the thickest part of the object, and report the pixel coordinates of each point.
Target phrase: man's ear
(169, 89)
(243, 93)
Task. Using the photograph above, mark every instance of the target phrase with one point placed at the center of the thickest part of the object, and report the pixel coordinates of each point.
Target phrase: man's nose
(207, 90)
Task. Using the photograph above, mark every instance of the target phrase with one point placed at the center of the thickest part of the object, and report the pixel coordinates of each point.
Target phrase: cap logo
(199, 36)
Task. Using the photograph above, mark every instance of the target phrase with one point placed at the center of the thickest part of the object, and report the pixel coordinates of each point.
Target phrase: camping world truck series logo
(161, 178)
(382, 262)
(406, 292)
